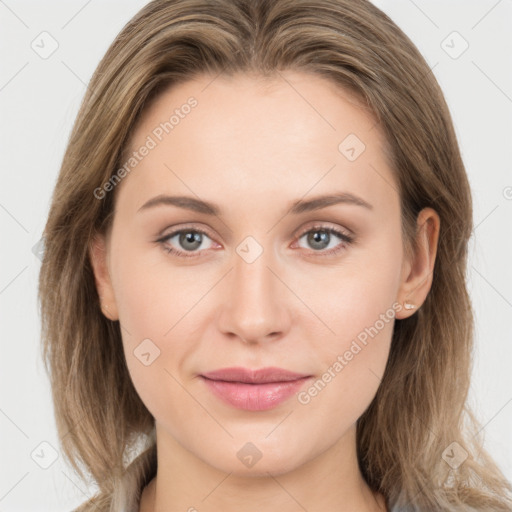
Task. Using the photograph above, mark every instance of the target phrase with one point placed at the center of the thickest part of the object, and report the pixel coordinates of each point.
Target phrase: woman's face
(284, 251)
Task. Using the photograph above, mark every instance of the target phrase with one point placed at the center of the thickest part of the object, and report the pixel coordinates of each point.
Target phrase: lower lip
(254, 397)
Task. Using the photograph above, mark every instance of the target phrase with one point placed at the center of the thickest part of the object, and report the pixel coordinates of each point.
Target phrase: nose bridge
(254, 307)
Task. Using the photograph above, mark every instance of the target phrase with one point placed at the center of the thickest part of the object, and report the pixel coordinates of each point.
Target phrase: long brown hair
(420, 407)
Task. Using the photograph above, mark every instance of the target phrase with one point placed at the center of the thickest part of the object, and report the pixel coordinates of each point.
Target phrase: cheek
(359, 310)
(151, 297)
(360, 292)
(352, 362)
(153, 338)
(158, 308)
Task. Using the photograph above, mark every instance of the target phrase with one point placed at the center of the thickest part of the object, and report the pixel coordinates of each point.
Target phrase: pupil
(192, 238)
(317, 239)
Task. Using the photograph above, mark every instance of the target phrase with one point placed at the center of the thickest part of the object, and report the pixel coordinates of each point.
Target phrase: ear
(418, 268)
(98, 255)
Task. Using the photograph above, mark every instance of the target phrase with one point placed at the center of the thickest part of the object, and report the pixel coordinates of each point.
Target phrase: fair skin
(253, 148)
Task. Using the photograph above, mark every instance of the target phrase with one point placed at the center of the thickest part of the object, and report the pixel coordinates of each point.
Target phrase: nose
(255, 305)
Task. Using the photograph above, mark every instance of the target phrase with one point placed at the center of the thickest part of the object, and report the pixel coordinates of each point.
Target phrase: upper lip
(259, 376)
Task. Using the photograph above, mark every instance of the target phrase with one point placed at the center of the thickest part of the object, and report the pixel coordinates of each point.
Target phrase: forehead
(295, 132)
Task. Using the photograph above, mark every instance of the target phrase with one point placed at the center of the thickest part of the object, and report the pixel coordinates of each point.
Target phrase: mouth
(248, 376)
(254, 390)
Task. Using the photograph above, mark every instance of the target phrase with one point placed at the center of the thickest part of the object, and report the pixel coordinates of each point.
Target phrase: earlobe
(98, 255)
(418, 274)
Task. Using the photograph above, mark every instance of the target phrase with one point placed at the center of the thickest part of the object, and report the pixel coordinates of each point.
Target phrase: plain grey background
(49, 51)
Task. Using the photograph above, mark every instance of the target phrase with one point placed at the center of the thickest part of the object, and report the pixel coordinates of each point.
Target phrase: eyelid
(346, 236)
(169, 232)
(162, 237)
(323, 226)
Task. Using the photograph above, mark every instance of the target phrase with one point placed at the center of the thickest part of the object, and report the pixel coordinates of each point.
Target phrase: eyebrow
(297, 207)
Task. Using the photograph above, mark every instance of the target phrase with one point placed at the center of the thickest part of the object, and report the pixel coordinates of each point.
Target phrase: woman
(312, 348)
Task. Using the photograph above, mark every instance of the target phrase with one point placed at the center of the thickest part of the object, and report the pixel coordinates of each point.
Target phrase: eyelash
(346, 240)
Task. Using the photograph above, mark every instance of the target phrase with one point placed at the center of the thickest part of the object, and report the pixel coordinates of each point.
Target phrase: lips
(254, 390)
(261, 376)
